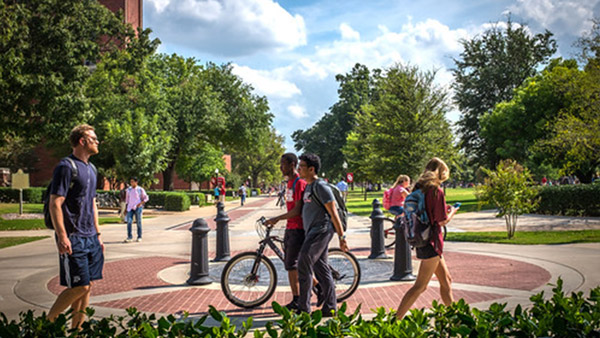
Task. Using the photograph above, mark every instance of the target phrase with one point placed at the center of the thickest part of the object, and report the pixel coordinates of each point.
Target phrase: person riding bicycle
(294, 231)
(320, 220)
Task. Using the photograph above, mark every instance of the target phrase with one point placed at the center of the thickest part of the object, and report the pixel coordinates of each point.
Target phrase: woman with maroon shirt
(432, 261)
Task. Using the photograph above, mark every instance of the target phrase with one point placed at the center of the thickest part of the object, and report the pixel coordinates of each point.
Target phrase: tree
(514, 126)
(201, 166)
(510, 189)
(489, 69)
(328, 136)
(574, 139)
(209, 105)
(260, 160)
(402, 128)
(43, 46)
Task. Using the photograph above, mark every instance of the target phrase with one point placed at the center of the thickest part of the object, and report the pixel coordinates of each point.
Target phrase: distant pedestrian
(242, 193)
(343, 187)
(320, 221)
(399, 191)
(75, 220)
(217, 193)
(136, 198)
(432, 261)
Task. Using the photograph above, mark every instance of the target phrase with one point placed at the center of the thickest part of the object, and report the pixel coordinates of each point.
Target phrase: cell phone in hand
(457, 205)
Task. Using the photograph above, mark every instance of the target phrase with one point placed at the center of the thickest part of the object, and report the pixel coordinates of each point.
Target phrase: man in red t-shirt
(294, 231)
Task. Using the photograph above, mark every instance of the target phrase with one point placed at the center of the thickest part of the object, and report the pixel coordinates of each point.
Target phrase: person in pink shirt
(136, 198)
(400, 190)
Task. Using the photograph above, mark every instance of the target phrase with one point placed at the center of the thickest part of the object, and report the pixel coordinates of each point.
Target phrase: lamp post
(250, 181)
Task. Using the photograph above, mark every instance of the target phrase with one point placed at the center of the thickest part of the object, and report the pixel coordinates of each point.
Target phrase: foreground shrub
(559, 316)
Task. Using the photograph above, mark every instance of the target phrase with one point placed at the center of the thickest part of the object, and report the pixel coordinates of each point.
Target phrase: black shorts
(84, 265)
(426, 252)
(292, 243)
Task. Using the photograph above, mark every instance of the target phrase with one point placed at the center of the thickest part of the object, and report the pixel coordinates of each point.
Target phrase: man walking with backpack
(74, 216)
(320, 220)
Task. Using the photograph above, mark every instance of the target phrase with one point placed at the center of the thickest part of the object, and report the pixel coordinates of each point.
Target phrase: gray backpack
(340, 204)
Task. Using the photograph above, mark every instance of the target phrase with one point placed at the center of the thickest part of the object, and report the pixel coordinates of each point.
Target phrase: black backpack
(46, 201)
(339, 203)
(415, 222)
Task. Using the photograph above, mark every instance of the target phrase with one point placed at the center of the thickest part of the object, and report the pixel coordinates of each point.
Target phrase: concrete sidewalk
(151, 275)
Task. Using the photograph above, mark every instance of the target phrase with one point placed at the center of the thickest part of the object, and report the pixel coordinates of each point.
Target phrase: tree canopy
(402, 127)
(44, 47)
(488, 70)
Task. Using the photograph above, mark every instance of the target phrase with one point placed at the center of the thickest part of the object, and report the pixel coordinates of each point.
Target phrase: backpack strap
(75, 170)
(294, 184)
(314, 193)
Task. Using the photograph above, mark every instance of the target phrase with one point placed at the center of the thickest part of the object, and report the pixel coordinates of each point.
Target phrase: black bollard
(199, 270)
(402, 256)
(222, 234)
(377, 239)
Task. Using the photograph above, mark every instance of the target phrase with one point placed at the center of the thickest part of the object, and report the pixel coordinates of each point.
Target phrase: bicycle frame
(270, 241)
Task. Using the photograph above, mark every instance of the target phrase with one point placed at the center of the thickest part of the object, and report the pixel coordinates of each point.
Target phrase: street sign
(350, 177)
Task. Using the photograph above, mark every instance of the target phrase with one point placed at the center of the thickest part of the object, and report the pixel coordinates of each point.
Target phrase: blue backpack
(415, 222)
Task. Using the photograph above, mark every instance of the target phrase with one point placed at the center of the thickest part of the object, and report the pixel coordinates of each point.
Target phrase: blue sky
(290, 51)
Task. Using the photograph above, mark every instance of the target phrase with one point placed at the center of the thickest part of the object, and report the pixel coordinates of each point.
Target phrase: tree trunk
(169, 177)
(511, 224)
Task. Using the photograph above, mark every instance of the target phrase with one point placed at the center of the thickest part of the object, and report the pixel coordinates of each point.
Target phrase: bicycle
(249, 279)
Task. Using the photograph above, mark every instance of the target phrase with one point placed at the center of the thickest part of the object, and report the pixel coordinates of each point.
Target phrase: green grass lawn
(528, 237)
(11, 241)
(36, 224)
(357, 205)
(13, 208)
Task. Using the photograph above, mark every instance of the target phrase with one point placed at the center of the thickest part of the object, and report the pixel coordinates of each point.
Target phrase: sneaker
(292, 306)
(128, 240)
(320, 297)
(139, 239)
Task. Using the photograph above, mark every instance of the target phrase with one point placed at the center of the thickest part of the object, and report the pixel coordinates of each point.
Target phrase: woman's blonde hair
(436, 172)
(401, 179)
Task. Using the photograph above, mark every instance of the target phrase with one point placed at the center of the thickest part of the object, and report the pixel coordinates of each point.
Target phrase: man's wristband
(342, 237)
(98, 234)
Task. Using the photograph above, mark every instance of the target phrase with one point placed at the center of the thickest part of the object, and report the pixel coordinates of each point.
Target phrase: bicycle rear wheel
(346, 273)
(244, 288)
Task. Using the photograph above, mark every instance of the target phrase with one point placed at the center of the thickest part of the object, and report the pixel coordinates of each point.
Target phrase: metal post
(20, 201)
(402, 256)
(199, 270)
(222, 234)
(377, 238)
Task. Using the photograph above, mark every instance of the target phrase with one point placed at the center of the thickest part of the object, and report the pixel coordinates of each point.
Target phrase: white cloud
(572, 16)
(269, 83)
(297, 111)
(227, 27)
(348, 33)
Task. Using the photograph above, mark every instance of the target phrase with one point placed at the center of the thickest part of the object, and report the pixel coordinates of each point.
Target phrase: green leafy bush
(196, 198)
(33, 195)
(30, 195)
(557, 316)
(570, 200)
(509, 188)
(177, 202)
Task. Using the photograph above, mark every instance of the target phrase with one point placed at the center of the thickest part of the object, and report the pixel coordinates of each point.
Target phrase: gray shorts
(292, 243)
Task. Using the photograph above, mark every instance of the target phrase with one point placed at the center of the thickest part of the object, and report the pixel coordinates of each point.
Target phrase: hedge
(177, 202)
(570, 200)
(196, 198)
(30, 195)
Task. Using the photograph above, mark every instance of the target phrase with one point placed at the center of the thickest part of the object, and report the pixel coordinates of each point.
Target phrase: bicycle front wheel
(345, 271)
(244, 288)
